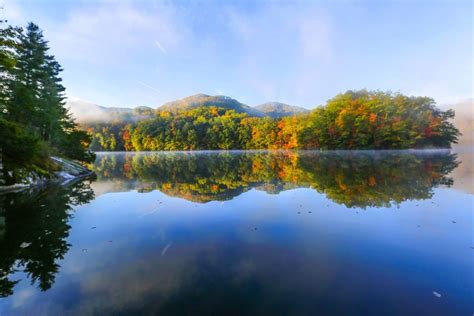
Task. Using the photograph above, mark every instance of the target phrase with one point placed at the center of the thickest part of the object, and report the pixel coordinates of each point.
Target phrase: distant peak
(198, 95)
(278, 109)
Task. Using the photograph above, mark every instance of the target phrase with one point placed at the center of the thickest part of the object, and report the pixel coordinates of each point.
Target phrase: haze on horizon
(146, 53)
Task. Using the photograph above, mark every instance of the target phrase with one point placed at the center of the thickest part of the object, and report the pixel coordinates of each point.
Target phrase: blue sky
(130, 53)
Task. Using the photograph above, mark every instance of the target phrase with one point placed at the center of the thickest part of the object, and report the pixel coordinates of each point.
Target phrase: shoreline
(280, 150)
(70, 171)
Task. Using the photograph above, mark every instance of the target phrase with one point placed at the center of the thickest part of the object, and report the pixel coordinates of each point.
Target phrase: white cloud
(115, 32)
(292, 38)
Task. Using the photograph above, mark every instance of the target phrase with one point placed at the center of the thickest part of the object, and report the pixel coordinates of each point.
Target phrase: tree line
(34, 122)
(353, 120)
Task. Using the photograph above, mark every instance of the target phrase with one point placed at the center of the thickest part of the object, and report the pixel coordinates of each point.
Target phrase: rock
(68, 172)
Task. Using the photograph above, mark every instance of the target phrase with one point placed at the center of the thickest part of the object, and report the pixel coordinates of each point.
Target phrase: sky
(145, 53)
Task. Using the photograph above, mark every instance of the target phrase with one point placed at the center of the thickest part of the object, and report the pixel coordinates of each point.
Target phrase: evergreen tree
(8, 57)
(24, 106)
(34, 121)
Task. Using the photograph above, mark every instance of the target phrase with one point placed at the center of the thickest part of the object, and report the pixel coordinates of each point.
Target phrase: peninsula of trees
(351, 120)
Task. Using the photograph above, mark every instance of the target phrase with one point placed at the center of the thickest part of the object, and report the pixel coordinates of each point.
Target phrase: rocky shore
(68, 171)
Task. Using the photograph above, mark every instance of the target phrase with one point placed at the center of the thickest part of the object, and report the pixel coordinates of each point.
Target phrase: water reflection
(34, 227)
(354, 179)
(138, 250)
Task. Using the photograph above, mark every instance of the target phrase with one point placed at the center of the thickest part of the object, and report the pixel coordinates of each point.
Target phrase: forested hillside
(34, 123)
(204, 100)
(352, 120)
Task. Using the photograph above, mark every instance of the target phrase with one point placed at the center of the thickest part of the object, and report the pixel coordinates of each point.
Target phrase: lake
(245, 233)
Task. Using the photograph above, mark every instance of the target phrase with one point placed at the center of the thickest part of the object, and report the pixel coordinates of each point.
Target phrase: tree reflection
(33, 232)
(378, 179)
(354, 179)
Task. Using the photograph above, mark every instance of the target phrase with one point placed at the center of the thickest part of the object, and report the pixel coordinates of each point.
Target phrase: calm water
(245, 233)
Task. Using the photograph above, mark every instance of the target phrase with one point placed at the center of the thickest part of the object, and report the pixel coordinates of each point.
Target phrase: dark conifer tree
(8, 57)
(34, 121)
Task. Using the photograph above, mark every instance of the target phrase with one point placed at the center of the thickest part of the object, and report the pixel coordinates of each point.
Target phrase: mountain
(277, 109)
(198, 100)
(86, 112)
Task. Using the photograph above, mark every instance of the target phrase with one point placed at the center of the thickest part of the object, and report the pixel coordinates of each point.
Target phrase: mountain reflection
(354, 179)
(33, 232)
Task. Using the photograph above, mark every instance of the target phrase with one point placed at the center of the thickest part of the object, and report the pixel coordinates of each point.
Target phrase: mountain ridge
(200, 99)
(87, 112)
(277, 109)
